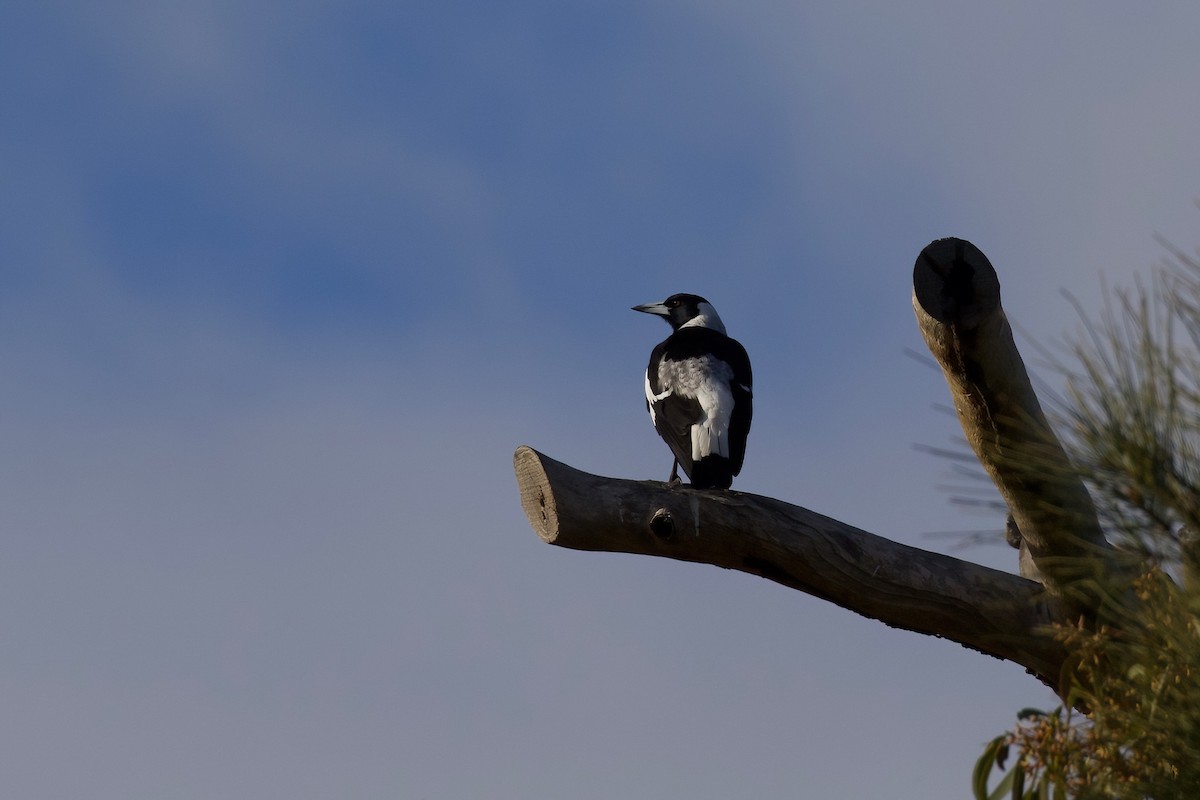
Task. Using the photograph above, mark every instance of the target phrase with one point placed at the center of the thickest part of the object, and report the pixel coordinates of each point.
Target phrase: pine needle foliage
(1129, 725)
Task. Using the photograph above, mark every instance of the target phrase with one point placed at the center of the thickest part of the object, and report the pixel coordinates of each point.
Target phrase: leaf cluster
(1131, 416)
(1129, 726)
(1140, 736)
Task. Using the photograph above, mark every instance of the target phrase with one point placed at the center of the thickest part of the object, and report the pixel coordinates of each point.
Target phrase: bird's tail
(711, 472)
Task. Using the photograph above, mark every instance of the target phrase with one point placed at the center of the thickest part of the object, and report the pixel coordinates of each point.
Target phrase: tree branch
(956, 296)
(993, 612)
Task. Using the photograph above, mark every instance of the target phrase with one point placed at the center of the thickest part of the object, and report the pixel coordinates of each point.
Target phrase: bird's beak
(658, 309)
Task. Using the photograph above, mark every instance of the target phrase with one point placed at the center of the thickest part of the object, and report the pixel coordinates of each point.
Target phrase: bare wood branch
(993, 612)
(956, 296)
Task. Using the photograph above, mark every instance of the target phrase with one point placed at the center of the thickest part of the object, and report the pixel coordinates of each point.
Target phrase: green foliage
(1140, 737)
(1132, 414)
(1129, 726)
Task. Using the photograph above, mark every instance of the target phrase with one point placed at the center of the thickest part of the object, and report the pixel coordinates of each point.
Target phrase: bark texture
(956, 296)
(993, 612)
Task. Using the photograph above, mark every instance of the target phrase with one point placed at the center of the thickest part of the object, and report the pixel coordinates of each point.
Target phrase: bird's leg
(674, 479)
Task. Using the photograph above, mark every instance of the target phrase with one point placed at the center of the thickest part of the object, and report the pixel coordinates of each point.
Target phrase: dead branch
(956, 296)
(993, 612)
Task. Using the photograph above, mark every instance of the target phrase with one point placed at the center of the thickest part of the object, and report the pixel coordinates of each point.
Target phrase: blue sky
(286, 284)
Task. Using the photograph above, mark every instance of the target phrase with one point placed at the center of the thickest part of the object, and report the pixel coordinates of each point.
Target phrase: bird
(699, 392)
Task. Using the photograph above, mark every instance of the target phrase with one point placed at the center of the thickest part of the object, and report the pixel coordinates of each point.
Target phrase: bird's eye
(672, 303)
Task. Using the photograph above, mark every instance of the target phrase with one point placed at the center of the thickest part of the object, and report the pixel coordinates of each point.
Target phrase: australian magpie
(698, 392)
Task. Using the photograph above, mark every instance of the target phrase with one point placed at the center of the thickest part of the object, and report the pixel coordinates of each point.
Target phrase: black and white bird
(698, 390)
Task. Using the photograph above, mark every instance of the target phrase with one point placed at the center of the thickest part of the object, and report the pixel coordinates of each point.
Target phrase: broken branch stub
(956, 297)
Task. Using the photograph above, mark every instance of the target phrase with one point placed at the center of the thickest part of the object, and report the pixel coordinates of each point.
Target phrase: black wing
(743, 403)
(673, 415)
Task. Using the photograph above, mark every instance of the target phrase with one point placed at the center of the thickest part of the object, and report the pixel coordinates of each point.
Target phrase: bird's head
(685, 310)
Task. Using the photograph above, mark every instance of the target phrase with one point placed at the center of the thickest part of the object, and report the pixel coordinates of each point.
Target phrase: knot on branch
(662, 524)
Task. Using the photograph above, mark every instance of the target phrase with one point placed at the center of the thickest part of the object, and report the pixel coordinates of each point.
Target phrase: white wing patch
(707, 380)
(652, 398)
